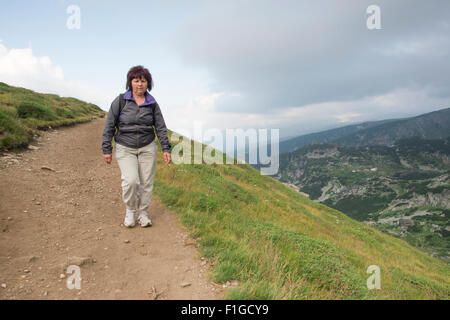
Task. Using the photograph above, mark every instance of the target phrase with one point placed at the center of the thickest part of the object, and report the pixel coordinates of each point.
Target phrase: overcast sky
(300, 66)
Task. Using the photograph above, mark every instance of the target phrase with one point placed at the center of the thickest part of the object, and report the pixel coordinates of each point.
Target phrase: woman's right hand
(107, 158)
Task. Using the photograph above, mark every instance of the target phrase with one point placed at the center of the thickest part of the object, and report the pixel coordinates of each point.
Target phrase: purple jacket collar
(148, 98)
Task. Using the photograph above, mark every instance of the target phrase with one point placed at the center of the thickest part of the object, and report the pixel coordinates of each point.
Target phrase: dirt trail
(73, 215)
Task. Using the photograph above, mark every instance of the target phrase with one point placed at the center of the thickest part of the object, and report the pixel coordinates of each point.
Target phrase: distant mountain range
(393, 174)
(433, 125)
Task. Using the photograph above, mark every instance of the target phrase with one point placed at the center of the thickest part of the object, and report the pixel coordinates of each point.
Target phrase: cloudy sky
(300, 66)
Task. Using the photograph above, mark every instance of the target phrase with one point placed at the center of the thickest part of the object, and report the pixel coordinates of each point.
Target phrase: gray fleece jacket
(133, 128)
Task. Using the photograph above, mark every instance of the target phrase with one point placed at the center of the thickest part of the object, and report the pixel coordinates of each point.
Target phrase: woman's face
(139, 85)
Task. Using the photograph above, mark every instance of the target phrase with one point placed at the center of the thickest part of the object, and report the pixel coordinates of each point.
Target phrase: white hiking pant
(138, 167)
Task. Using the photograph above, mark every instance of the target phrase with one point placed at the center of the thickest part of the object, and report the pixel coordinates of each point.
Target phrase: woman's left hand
(167, 157)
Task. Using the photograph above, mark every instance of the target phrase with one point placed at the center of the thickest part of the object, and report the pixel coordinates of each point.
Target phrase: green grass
(280, 245)
(359, 207)
(24, 112)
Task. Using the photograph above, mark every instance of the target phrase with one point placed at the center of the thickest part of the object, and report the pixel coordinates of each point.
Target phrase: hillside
(281, 245)
(259, 238)
(403, 190)
(24, 112)
(433, 125)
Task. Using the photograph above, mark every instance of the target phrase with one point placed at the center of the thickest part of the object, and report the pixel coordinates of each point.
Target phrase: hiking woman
(134, 114)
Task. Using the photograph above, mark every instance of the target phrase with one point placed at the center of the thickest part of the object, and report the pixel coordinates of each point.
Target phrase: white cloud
(204, 104)
(20, 67)
(309, 53)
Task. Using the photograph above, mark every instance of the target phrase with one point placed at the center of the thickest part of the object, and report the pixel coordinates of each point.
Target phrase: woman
(134, 114)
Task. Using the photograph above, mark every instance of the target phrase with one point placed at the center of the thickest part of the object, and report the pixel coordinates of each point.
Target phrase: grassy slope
(281, 245)
(23, 112)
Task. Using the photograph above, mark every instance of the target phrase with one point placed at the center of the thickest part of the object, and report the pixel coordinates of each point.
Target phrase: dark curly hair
(138, 72)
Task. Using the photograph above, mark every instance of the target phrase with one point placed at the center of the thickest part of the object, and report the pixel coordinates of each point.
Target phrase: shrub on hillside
(34, 110)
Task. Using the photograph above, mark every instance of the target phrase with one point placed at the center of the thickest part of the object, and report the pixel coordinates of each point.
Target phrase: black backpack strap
(121, 105)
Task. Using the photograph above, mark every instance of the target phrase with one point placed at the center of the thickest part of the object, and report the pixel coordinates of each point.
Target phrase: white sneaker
(129, 219)
(144, 220)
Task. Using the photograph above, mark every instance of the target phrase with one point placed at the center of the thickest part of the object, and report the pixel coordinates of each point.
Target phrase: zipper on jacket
(137, 126)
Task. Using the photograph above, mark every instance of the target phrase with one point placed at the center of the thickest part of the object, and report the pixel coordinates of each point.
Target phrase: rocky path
(61, 205)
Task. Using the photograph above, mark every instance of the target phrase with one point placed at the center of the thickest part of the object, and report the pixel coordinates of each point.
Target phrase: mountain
(402, 189)
(433, 125)
(327, 135)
